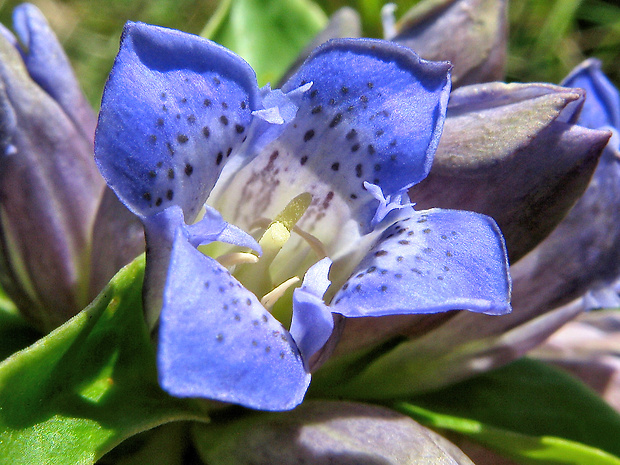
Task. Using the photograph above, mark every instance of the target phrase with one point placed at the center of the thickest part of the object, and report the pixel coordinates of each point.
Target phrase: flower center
(262, 276)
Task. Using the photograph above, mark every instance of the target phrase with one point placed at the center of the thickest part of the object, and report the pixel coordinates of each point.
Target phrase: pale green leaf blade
(530, 450)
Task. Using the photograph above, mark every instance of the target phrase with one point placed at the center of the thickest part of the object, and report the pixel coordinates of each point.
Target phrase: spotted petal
(374, 113)
(176, 107)
(218, 342)
(436, 260)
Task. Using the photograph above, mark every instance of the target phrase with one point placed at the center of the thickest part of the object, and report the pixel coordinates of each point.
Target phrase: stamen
(272, 297)
(236, 258)
(314, 242)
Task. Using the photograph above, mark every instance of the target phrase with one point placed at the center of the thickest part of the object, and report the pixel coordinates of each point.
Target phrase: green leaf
(268, 35)
(81, 390)
(533, 398)
(15, 333)
(542, 450)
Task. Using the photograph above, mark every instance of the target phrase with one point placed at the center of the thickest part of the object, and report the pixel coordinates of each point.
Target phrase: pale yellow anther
(293, 212)
(236, 258)
(272, 297)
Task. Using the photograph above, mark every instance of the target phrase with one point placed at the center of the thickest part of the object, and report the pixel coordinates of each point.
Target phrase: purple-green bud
(324, 433)
(471, 34)
(50, 188)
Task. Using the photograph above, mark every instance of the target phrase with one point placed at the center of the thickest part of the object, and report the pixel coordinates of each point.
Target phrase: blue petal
(602, 105)
(49, 67)
(434, 261)
(212, 227)
(176, 107)
(374, 113)
(312, 322)
(217, 341)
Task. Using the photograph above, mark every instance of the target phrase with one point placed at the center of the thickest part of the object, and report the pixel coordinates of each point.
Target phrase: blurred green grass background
(547, 37)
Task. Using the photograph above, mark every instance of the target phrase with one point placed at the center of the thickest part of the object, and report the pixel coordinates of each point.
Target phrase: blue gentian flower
(318, 173)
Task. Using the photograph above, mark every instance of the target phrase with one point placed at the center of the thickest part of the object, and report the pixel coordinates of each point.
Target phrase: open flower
(317, 172)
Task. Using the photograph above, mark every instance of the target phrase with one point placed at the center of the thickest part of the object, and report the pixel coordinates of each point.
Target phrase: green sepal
(75, 394)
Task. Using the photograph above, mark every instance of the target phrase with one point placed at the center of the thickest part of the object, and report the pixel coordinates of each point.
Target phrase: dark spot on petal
(332, 101)
(219, 337)
(364, 99)
(359, 170)
(239, 128)
(163, 95)
(383, 288)
(191, 119)
(159, 201)
(224, 105)
(147, 196)
(336, 120)
(171, 173)
(379, 133)
(335, 166)
(314, 93)
(207, 102)
(370, 85)
(316, 110)
(220, 157)
(371, 149)
(400, 258)
(189, 169)
(308, 135)
(351, 134)
(216, 81)
(404, 242)
(152, 174)
(169, 195)
(206, 132)
(303, 160)
(224, 120)
(355, 147)
(182, 138)
(160, 122)
(380, 253)
(170, 148)
(243, 105)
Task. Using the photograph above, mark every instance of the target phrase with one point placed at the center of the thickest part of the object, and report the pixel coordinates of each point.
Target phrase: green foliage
(269, 35)
(85, 387)
(527, 410)
(529, 450)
